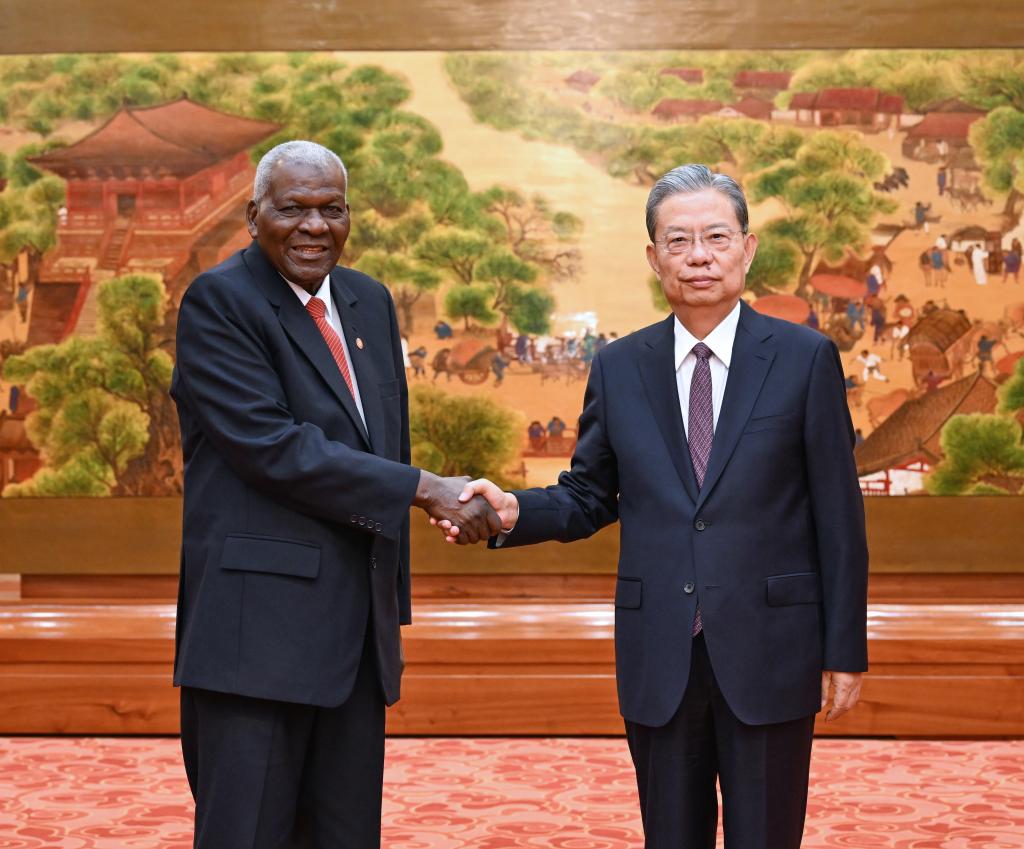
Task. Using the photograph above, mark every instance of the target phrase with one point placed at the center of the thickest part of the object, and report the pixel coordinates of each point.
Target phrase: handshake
(466, 511)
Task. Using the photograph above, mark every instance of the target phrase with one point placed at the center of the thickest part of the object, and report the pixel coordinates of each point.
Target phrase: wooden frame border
(56, 26)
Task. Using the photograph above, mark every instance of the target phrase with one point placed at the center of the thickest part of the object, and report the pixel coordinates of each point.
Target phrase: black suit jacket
(772, 545)
(295, 517)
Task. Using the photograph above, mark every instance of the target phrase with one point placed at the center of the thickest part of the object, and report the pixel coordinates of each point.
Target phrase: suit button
(354, 518)
(688, 587)
(378, 527)
(373, 562)
(700, 524)
(362, 521)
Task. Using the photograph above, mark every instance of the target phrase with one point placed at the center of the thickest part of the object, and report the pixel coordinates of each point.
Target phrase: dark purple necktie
(701, 428)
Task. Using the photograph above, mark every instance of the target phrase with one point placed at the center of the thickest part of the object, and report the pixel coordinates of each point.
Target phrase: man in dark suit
(721, 441)
(293, 408)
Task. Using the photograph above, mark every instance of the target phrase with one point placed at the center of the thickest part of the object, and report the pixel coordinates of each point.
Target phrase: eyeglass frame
(700, 237)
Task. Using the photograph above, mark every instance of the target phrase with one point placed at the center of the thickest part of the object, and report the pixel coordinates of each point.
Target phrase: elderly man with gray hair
(293, 407)
(721, 442)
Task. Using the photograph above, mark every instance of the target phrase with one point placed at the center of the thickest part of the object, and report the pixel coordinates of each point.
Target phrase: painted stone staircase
(115, 246)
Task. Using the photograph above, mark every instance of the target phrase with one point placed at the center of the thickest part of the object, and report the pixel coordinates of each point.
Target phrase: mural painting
(500, 197)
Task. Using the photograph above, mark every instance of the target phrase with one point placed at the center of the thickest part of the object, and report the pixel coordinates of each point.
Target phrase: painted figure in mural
(921, 215)
(939, 262)
(536, 434)
(556, 427)
(924, 262)
(855, 315)
(976, 256)
(1011, 262)
(498, 366)
(721, 441)
(295, 559)
(932, 381)
(877, 319)
(985, 346)
(899, 333)
(418, 362)
(872, 284)
(872, 366)
(21, 300)
(523, 348)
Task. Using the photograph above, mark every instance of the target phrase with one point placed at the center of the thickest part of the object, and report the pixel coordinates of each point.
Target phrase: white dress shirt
(324, 294)
(720, 341)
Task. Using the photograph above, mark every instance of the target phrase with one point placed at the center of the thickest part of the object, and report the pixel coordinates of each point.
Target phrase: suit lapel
(658, 375)
(751, 358)
(303, 331)
(367, 377)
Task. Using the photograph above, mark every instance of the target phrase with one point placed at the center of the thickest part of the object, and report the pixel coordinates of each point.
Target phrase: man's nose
(313, 222)
(699, 253)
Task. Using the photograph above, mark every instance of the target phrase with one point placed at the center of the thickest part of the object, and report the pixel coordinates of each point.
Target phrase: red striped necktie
(318, 310)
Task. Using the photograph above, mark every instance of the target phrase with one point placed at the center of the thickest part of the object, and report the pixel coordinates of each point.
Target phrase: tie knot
(701, 351)
(316, 308)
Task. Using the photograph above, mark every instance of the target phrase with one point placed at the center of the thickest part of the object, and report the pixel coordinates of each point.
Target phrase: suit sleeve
(405, 455)
(838, 509)
(227, 380)
(586, 498)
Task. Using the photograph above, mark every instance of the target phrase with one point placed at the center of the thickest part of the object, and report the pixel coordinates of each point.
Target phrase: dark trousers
(276, 775)
(763, 771)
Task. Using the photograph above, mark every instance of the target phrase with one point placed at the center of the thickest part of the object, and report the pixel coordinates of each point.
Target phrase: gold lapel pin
(359, 343)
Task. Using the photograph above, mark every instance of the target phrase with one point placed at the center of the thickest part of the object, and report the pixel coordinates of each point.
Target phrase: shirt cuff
(503, 535)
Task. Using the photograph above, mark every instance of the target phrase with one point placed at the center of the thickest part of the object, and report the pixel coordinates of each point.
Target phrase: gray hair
(690, 179)
(298, 152)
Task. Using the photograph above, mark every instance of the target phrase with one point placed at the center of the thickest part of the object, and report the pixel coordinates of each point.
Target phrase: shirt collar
(719, 340)
(323, 293)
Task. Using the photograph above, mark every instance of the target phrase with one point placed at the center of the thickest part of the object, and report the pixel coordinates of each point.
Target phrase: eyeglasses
(717, 239)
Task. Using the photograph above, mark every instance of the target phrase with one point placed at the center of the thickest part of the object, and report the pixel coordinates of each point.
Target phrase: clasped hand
(442, 499)
(504, 503)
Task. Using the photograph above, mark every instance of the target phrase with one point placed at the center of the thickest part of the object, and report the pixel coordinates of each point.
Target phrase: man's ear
(250, 217)
(749, 249)
(652, 260)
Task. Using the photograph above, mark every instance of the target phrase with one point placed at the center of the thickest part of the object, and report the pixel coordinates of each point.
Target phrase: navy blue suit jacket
(772, 545)
(295, 517)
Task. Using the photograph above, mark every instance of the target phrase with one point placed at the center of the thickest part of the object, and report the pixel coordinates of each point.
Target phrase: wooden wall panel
(504, 668)
(78, 698)
(143, 536)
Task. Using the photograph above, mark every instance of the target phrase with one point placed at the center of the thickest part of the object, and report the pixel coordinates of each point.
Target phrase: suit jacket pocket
(629, 592)
(798, 588)
(252, 553)
(770, 423)
(388, 389)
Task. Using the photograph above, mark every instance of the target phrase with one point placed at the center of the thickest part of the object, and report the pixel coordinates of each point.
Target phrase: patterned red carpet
(130, 793)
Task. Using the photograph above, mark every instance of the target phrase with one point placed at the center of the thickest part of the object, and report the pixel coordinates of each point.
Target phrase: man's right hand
(443, 500)
(506, 505)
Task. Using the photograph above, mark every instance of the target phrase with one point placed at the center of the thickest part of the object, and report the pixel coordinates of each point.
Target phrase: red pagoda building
(158, 189)
(152, 189)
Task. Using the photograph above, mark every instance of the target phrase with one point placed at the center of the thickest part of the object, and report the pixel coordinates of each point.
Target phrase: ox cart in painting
(469, 360)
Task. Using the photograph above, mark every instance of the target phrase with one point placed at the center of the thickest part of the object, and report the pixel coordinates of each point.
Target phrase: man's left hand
(845, 688)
